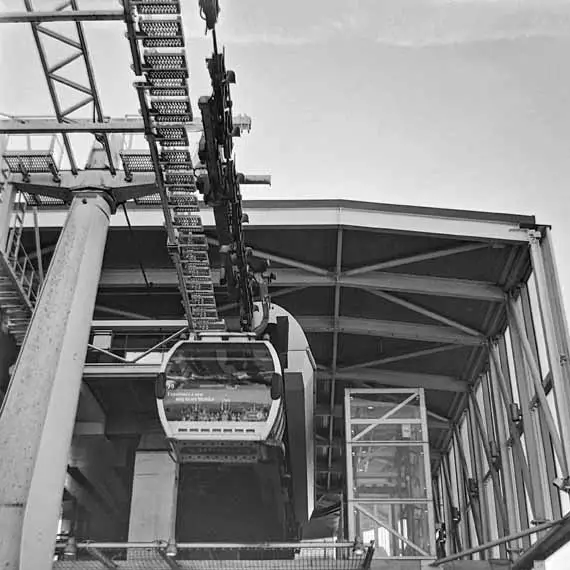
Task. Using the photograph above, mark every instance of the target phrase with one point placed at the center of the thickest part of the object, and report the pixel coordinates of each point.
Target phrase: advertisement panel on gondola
(218, 381)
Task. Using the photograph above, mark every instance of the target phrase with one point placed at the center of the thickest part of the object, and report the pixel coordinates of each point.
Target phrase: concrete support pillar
(155, 492)
(36, 423)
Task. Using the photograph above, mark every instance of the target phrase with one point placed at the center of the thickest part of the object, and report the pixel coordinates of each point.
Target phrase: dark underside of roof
(426, 317)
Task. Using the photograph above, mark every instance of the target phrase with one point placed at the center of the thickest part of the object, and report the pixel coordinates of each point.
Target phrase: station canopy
(389, 296)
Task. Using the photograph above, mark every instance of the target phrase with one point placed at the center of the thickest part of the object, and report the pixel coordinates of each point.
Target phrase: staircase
(19, 280)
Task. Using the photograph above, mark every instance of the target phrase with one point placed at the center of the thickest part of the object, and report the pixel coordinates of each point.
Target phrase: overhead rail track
(156, 39)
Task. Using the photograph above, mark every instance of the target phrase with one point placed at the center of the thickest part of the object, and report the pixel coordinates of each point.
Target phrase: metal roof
(388, 296)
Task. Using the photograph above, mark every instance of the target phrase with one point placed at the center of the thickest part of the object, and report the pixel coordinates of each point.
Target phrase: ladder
(159, 37)
(19, 280)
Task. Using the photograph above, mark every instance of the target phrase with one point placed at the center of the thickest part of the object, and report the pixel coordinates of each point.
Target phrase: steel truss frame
(78, 44)
(387, 412)
(517, 447)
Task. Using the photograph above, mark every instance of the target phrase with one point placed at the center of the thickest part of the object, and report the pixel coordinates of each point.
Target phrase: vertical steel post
(336, 315)
(7, 197)
(491, 430)
(557, 353)
(506, 466)
(37, 418)
(522, 372)
(38, 246)
(351, 511)
(519, 463)
(461, 502)
(474, 502)
(497, 494)
(429, 488)
(7, 194)
(478, 468)
(553, 283)
(535, 374)
(453, 527)
(542, 424)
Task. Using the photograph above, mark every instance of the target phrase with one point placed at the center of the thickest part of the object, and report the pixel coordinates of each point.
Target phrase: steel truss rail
(156, 39)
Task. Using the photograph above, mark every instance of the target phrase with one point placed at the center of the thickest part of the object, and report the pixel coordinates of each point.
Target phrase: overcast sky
(449, 103)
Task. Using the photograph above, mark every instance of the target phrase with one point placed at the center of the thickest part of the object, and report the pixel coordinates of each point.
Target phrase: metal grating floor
(292, 556)
(26, 161)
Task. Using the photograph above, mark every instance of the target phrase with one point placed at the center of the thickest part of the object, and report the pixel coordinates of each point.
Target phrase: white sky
(447, 103)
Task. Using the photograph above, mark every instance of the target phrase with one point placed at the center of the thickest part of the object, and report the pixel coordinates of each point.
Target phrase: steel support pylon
(38, 415)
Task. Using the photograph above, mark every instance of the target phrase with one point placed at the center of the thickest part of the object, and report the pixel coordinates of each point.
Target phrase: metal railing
(23, 270)
(499, 541)
(218, 556)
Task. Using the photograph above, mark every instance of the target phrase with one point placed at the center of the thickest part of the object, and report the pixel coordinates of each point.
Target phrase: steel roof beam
(57, 16)
(150, 325)
(409, 259)
(274, 295)
(284, 260)
(315, 214)
(324, 324)
(393, 378)
(426, 285)
(388, 329)
(293, 277)
(427, 313)
(378, 377)
(320, 214)
(400, 357)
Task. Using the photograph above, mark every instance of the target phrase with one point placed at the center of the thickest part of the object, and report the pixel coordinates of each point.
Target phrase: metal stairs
(19, 280)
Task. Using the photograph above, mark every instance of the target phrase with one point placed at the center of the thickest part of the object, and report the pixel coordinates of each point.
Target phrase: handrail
(493, 543)
(212, 545)
(23, 270)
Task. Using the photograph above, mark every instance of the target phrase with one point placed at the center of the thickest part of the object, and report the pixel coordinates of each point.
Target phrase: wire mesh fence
(164, 556)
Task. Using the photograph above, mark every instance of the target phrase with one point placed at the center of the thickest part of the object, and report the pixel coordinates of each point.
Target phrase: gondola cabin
(237, 411)
(220, 398)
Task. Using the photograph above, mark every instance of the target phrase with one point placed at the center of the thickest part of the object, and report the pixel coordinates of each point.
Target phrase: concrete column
(155, 491)
(36, 423)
